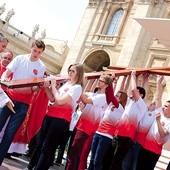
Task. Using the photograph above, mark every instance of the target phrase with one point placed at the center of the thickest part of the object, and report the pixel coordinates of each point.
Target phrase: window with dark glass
(114, 25)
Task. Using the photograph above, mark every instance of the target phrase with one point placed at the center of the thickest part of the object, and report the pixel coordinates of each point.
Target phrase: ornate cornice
(94, 3)
(153, 2)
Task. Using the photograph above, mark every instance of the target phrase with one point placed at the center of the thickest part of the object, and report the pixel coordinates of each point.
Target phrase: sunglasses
(102, 81)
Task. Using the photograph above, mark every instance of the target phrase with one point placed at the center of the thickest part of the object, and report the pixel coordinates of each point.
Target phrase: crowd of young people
(119, 128)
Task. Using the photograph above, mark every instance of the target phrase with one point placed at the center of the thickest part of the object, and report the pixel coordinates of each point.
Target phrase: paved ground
(20, 163)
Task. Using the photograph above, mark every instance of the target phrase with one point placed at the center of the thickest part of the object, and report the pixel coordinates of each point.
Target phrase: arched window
(116, 18)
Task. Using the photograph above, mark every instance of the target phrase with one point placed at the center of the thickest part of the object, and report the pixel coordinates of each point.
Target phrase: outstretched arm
(84, 98)
(162, 132)
(89, 85)
(135, 92)
(159, 91)
(127, 86)
(115, 80)
(145, 82)
(122, 85)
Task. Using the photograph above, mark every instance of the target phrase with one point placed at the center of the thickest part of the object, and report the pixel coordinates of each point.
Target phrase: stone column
(134, 35)
(104, 20)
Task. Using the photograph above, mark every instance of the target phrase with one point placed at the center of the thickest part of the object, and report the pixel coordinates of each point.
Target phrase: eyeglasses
(72, 71)
(117, 95)
(102, 81)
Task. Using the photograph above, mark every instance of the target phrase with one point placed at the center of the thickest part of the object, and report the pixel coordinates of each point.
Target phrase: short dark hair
(3, 38)
(141, 91)
(39, 43)
(123, 98)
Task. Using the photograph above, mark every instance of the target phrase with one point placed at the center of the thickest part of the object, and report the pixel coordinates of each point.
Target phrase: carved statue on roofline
(9, 15)
(2, 8)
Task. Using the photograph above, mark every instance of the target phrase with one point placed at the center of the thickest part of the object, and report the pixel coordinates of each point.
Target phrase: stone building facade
(20, 43)
(109, 35)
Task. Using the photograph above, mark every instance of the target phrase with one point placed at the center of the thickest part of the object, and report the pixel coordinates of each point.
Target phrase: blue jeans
(99, 147)
(13, 125)
(109, 154)
(130, 161)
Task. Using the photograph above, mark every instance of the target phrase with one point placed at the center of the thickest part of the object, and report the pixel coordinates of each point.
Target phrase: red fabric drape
(34, 117)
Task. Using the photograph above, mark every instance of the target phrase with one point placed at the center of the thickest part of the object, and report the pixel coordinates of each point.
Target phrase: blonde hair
(108, 79)
(80, 72)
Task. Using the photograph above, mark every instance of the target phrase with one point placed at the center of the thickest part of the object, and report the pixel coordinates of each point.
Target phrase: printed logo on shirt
(162, 123)
(35, 71)
(150, 114)
(66, 89)
(112, 109)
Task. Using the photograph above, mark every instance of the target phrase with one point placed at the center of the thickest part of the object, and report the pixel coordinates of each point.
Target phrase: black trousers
(116, 153)
(147, 160)
(168, 167)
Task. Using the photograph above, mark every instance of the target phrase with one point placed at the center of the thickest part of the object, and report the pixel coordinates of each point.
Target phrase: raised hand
(10, 105)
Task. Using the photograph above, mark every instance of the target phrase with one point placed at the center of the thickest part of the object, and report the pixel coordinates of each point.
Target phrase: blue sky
(60, 18)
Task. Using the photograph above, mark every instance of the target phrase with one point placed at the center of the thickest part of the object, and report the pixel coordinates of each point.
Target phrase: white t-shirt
(153, 141)
(23, 68)
(74, 91)
(92, 113)
(97, 109)
(110, 121)
(65, 111)
(145, 124)
(134, 112)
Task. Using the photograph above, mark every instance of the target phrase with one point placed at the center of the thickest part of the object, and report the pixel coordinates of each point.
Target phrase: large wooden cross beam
(152, 70)
(116, 70)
